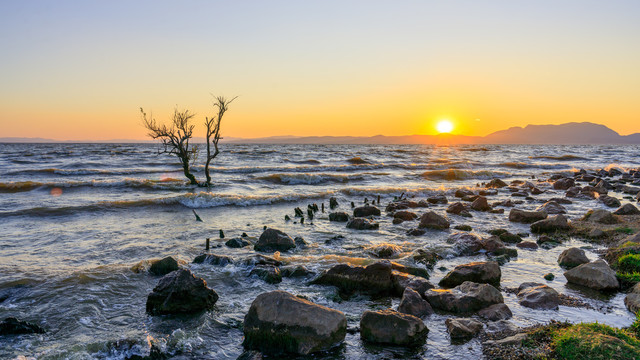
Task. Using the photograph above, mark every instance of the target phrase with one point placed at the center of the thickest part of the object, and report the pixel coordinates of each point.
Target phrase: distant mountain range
(569, 133)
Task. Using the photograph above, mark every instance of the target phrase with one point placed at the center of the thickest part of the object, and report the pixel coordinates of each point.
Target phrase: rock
(526, 217)
(627, 209)
(180, 292)
(164, 266)
(367, 210)
(269, 273)
(459, 208)
(295, 271)
(405, 215)
(529, 245)
(413, 304)
(549, 276)
(496, 184)
(13, 326)
(392, 327)
(280, 322)
(596, 234)
(538, 296)
(426, 257)
(510, 238)
(384, 251)
(480, 204)
(496, 312)
(493, 244)
(563, 184)
(601, 216)
(463, 227)
(551, 224)
(339, 216)
(237, 242)
(609, 201)
(552, 207)
(300, 242)
(213, 259)
(416, 232)
(478, 272)
(431, 220)
(632, 300)
(467, 297)
(438, 199)
(595, 275)
(362, 224)
(462, 328)
(403, 282)
(274, 240)
(465, 244)
(260, 260)
(516, 339)
(375, 279)
(250, 355)
(460, 193)
(572, 257)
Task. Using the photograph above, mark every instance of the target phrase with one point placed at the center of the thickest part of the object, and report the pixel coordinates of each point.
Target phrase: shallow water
(74, 218)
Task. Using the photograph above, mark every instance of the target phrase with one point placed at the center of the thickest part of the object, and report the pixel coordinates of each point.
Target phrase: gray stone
(413, 304)
(526, 217)
(467, 297)
(627, 209)
(273, 240)
(496, 312)
(551, 224)
(572, 257)
(461, 328)
(392, 327)
(478, 272)
(431, 220)
(552, 207)
(596, 275)
(538, 296)
(601, 216)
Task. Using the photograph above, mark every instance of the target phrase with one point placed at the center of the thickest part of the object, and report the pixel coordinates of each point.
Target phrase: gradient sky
(81, 69)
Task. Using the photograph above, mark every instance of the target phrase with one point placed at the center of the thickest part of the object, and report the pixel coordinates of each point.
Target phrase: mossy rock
(595, 341)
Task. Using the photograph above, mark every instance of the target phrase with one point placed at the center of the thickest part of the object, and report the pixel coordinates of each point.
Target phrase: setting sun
(444, 126)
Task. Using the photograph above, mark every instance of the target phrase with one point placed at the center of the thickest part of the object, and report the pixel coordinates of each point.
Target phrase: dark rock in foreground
(180, 292)
(627, 209)
(478, 272)
(13, 326)
(462, 328)
(374, 279)
(212, 259)
(274, 240)
(413, 304)
(164, 266)
(392, 327)
(496, 312)
(279, 322)
(572, 257)
(552, 224)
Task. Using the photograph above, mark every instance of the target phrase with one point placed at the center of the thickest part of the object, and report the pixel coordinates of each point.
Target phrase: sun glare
(444, 126)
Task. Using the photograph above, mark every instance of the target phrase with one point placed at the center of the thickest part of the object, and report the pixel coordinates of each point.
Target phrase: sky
(81, 70)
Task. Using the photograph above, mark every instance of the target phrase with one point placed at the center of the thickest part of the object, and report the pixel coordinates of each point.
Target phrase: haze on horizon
(79, 70)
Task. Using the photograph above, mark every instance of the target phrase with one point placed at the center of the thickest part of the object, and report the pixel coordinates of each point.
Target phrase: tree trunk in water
(188, 174)
(206, 169)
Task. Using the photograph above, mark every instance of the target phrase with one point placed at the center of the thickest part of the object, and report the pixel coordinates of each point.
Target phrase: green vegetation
(627, 280)
(624, 230)
(629, 263)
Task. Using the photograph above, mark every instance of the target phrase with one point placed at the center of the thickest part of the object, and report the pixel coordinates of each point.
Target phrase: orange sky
(81, 70)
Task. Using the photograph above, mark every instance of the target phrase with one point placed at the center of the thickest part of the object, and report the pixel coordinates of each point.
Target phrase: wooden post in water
(221, 234)
(206, 246)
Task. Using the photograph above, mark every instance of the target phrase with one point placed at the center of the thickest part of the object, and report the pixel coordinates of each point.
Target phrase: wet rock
(464, 298)
(549, 276)
(459, 208)
(460, 193)
(510, 238)
(627, 209)
(392, 327)
(480, 204)
(529, 245)
(365, 211)
(496, 312)
(295, 271)
(180, 292)
(213, 259)
(563, 184)
(552, 207)
(375, 279)
(551, 224)
(538, 296)
(250, 355)
(384, 251)
(269, 273)
(632, 300)
(413, 304)
(505, 203)
(280, 322)
(609, 201)
(405, 215)
(404, 282)
(465, 244)
(339, 216)
(572, 257)
(238, 242)
(596, 234)
(601, 216)
(493, 244)
(362, 224)
(416, 232)
(496, 184)
(438, 199)
(478, 272)
(431, 220)
(526, 217)
(13, 326)
(462, 328)
(463, 227)
(595, 275)
(274, 240)
(427, 257)
(164, 266)
(260, 260)
(516, 339)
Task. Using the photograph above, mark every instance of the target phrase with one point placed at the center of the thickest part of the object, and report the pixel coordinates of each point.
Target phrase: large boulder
(279, 322)
(627, 209)
(375, 279)
(164, 266)
(431, 220)
(392, 327)
(596, 275)
(274, 240)
(459, 208)
(13, 326)
(362, 224)
(496, 312)
(462, 328)
(364, 211)
(465, 244)
(413, 304)
(538, 296)
(551, 207)
(404, 215)
(572, 257)
(610, 201)
(632, 300)
(180, 292)
(478, 272)
(467, 297)
(552, 224)
(527, 217)
(480, 204)
(339, 216)
(601, 216)
(563, 184)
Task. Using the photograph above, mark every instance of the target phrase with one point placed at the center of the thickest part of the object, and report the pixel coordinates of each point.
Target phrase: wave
(558, 158)
(357, 160)
(309, 178)
(68, 172)
(164, 184)
(309, 161)
(457, 174)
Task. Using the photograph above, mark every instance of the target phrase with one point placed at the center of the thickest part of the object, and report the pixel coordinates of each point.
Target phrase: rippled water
(74, 218)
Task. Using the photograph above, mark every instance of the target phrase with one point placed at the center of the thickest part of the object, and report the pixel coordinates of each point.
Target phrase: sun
(444, 126)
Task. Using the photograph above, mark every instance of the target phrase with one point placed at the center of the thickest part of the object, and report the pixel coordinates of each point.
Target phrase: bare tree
(213, 132)
(175, 139)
